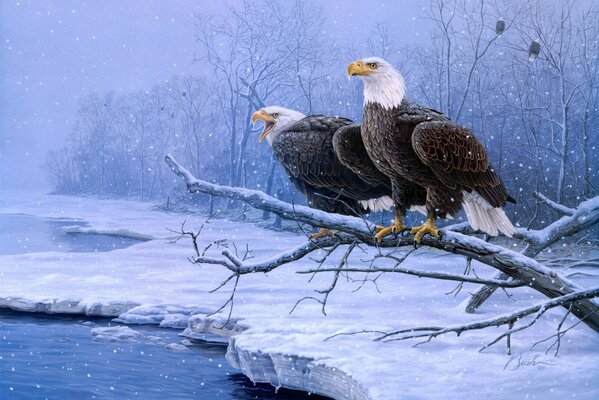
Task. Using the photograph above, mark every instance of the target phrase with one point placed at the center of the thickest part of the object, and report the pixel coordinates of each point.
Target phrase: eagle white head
(276, 119)
(383, 84)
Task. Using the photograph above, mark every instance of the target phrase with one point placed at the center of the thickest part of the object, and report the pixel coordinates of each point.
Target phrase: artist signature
(521, 360)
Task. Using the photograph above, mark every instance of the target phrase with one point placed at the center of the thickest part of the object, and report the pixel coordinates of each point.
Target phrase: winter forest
(536, 117)
(194, 243)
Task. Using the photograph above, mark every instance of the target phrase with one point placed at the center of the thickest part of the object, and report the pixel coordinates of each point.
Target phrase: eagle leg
(396, 227)
(323, 232)
(428, 227)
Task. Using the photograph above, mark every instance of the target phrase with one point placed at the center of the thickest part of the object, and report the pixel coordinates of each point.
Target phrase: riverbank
(153, 282)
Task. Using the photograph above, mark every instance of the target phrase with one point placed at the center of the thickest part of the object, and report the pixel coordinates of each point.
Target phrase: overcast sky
(56, 52)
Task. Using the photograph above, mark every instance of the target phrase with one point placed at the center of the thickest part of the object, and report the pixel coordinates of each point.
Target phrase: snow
(153, 282)
(115, 334)
(176, 347)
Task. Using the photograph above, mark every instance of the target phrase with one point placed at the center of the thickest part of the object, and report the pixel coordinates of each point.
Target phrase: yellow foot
(324, 232)
(428, 227)
(396, 227)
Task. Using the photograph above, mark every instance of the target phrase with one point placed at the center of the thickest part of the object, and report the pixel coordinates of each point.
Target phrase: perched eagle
(309, 149)
(533, 50)
(411, 143)
(500, 27)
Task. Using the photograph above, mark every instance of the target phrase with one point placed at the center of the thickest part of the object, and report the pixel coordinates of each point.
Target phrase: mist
(55, 53)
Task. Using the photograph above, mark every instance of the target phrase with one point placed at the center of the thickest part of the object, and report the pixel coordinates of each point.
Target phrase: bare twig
(326, 292)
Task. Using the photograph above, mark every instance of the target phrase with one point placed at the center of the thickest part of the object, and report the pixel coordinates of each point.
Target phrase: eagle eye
(373, 65)
(275, 115)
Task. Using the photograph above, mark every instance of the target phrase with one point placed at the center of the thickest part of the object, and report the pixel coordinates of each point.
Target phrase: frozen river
(22, 233)
(56, 357)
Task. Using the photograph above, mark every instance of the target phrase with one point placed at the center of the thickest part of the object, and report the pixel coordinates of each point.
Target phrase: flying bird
(534, 50)
(411, 143)
(307, 147)
(500, 27)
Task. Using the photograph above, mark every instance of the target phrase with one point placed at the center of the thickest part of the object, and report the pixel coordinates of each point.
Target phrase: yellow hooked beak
(269, 122)
(358, 68)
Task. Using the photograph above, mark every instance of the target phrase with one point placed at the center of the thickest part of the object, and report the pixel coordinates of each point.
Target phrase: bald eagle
(411, 143)
(308, 147)
(533, 50)
(499, 27)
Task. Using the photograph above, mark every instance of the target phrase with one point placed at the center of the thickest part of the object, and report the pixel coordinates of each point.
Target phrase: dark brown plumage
(306, 151)
(408, 142)
(350, 149)
(425, 148)
(499, 27)
(533, 50)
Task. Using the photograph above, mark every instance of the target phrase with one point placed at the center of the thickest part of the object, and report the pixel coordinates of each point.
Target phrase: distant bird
(534, 50)
(307, 146)
(500, 27)
(411, 143)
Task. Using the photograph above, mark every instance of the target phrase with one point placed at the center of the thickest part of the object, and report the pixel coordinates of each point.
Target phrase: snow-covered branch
(556, 206)
(233, 264)
(510, 319)
(574, 221)
(516, 265)
(355, 226)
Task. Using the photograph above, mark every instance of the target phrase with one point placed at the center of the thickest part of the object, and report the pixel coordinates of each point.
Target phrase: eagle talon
(428, 227)
(324, 232)
(396, 227)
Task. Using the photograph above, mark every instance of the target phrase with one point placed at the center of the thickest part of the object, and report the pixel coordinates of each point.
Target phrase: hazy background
(94, 94)
(54, 53)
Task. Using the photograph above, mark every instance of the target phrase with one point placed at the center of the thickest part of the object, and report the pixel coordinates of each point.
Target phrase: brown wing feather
(350, 150)
(458, 159)
(306, 152)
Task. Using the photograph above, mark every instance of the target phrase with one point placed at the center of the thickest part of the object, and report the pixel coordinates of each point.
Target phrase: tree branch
(430, 332)
(422, 274)
(514, 264)
(556, 206)
(575, 220)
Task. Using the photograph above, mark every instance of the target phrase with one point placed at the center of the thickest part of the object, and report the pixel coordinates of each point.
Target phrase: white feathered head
(276, 119)
(383, 84)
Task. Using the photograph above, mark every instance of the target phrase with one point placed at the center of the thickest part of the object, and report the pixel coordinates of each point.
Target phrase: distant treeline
(539, 119)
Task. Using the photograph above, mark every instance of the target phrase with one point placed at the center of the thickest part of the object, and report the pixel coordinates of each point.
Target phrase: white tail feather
(484, 217)
(420, 209)
(378, 204)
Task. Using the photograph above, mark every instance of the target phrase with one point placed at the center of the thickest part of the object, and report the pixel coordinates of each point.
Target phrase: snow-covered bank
(294, 372)
(153, 282)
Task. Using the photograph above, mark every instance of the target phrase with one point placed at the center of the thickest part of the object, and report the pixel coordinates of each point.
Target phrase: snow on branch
(515, 265)
(355, 226)
(556, 206)
(235, 265)
(510, 319)
(585, 215)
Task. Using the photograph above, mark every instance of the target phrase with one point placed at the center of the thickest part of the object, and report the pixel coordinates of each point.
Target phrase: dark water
(50, 357)
(21, 233)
